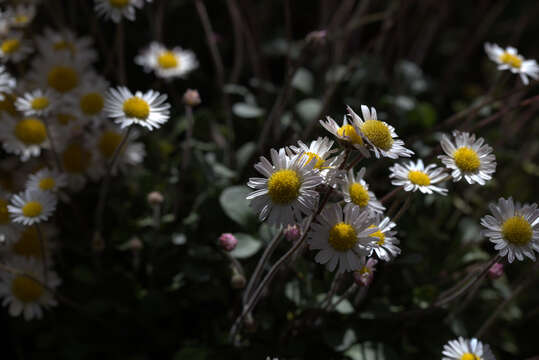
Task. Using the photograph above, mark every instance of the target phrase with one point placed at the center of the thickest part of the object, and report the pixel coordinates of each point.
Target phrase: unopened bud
(135, 244)
(292, 232)
(227, 241)
(250, 323)
(495, 271)
(191, 98)
(155, 198)
(318, 37)
(238, 281)
(365, 275)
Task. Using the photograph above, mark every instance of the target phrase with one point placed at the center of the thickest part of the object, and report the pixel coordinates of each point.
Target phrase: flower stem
(43, 248)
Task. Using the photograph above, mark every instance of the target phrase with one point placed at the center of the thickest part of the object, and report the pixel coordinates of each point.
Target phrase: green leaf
(244, 153)
(366, 351)
(247, 111)
(303, 80)
(191, 353)
(235, 205)
(309, 109)
(247, 246)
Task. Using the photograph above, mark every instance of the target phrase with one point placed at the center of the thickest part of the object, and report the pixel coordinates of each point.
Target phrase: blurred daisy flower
(37, 102)
(27, 244)
(89, 99)
(466, 349)
(14, 48)
(7, 82)
(356, 191)
(509, 59)
(167, 63)
(31, 207)
(24, 137)
(513, 228)
(148, 109)
(116, 9)
(66, 41)
(383, 242)
(379, 135)
(59, 72)
(46, 180)
(79, 160)
(8, 230)
(287, 190)
(21, 15)
(341, 236)
(468, 158)
(24, 293)
(347, 133)
(415, 176)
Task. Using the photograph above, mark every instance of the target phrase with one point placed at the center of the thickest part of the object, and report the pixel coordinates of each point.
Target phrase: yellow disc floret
(419, 178)
(466, 159)
(342, 237)
(511, 60)
(21, 19)
(28, 244)
(31, 131)
(378, 134)
(167, 60)
(118, 3)
(64, 45)
(469, 356)
(314, 157)
(40, 103)
(76, 159)
(65, 119)
(7, 104)
(32, 209)
(62, 78)
(135, 107)
(4, 213)
(517, 230)
(358, 194)
(351, 135)
(26, 289)
(108, 142)
(91, 103)
(47, 183)
(378, 234)
(10, 46)
(283, 186)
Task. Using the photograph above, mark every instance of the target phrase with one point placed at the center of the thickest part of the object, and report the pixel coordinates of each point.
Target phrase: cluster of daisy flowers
(63, 126)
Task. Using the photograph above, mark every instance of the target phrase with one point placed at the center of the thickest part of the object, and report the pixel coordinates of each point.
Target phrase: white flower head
(27, 243)
(320, 152)
(14, 48)
(46, 180)
(21, 15)
(37, 102)
(513, 228)
(348, 133)
(24, 293)
(25, 137)
(8, 230)
(381, 136)
(149, 110)
(468, 158)
(7, 82)
(79, 159)
(356, 191)
(116, 9)
(287, 191)
(510, 59)
(65, 41)
(466, 349)
(89, 100)
(341, 235)
(383, 242)
(415, 176)
(32, 207)
(167, 63)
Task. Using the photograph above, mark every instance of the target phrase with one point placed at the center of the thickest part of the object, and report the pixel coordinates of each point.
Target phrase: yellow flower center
(32, 209)
(312, 156)
(108, 143)
(350, 133)
(167, 60)
(76, 159)
(62, 78)
(21, 19)
(378, 133)
(28, 244)
(358, 194)
(4, 213)
(469, 356)
(64, 119)
(31, 131)
(364, 270)
(419, 178)
(378, 234)
(136, 107)
(283, 186)
(517, 231)
(342, 237)
(26, 289)
(91, 103)
(40, 103)
(10, 46)
(8, 104)
(64, 45)
(466, 159)
(510, 59)
(47, 183)
(118, 3)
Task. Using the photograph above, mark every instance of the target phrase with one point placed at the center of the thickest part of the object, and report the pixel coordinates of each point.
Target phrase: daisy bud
(250, 323)
(365, 275)
(292, 232)
(191, 98)
(238, 280)
(227, 241)
(155, 198)
(318, 37)
(495, 271)
(135, 244)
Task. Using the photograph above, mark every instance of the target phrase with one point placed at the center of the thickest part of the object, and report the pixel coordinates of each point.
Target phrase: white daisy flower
(25, 293)
(79, 160)
(510, 59)
(468, 158)
(46, 180)
(383, 242)
(32, 207)
(27, 243)
(320, 152)
(7, 104)
(7, 82)
(116, 9)
(14, 48)
(347, 133)
(21, 15)
(167, 63)
(356, 191)
(467, 349)
(89, 99)
(381, 136)
(8, 230)
(148, 110)
(23, 137)
(341, 236)
(415, 176)
(287, 192)
(59, 72)
(37, 102)
(514, 229)
(79, 48)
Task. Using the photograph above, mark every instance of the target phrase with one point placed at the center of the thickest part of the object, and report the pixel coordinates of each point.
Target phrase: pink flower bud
(292, 232)
(365, 275)
(495, 271)
(155, 198)
(228, 241)
(191, 98)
